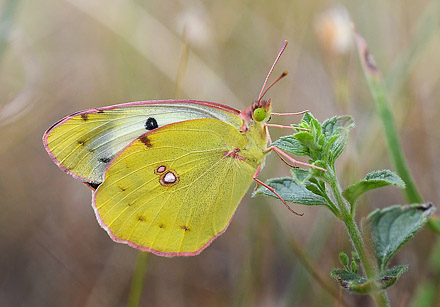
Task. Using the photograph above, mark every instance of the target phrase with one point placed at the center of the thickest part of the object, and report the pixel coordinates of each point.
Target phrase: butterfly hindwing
(84, 143)
(174, 189)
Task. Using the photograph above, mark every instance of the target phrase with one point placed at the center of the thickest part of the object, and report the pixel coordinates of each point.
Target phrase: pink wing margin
(122, 105)
(146, 249)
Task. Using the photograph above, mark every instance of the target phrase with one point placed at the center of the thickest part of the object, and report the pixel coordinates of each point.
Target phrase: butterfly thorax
(255, 133)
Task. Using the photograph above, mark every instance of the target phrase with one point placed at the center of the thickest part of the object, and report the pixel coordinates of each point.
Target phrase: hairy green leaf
(343, 258)
(354, 266)
(336, 130)
(314, 188)
(391, 227)
(337, 125)
(390, 276)
(291, 191)
(305, 138)
(316, 127)
(372, 181)
(290, 144)
(300, 175)
(317, 172)
(360, 285)
(353, 282)
(307, 118)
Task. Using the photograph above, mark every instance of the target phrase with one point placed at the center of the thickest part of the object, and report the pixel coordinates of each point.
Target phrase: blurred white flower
(196, 26)
(334, 31)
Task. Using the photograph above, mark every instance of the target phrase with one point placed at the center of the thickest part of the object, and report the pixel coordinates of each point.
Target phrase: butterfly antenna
(288, 114)
(263, 92)
(278, 79)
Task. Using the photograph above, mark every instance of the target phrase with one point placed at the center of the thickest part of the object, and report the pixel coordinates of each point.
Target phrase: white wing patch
(84, 143)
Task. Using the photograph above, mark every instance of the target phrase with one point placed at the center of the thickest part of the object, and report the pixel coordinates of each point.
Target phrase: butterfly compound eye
(259, 114)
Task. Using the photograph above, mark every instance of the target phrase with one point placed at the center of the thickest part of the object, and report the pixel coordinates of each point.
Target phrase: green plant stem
(137, 282)
(396, 152)
(378, 91)
(380, 298)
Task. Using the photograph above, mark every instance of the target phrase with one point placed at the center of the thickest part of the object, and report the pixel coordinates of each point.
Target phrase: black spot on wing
(85, 117)
(104, 160)
(92, 185)
(151, 123)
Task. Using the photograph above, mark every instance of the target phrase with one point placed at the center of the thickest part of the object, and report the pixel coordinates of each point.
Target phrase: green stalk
(378, 90)
(380, 298)
(137, 283)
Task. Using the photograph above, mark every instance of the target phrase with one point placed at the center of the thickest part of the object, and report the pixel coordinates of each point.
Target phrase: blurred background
(61, 56)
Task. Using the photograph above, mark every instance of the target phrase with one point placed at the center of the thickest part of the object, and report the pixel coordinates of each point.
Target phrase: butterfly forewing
(174, 189)
(84, 143)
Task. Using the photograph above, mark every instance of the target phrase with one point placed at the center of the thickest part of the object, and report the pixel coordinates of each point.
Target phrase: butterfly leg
(273, 191)
(286, 114)
(289, 127)
(289, 158)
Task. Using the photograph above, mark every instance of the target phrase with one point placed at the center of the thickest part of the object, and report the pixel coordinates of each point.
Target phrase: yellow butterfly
(168, 175)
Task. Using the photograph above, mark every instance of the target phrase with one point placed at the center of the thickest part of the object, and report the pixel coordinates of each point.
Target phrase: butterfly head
(257, 114)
